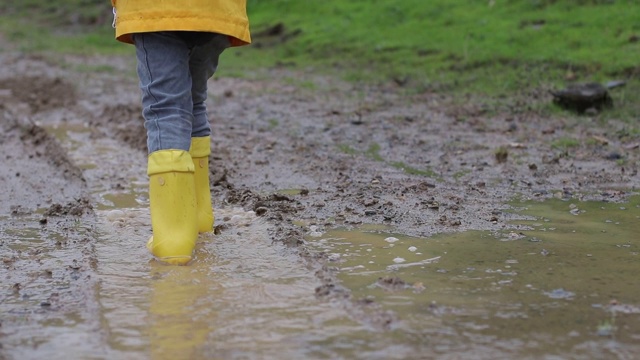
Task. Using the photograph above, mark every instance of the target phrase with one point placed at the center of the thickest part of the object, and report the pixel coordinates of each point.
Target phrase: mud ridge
(48, 262)
(32, 145)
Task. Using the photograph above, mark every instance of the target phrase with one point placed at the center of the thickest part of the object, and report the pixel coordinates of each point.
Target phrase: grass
(273, 123)
(491, 49)
(346, 149)
(436, 40)
(413, 171)
(458, 47)
(373, 152)
(67, 26)
(565, 143)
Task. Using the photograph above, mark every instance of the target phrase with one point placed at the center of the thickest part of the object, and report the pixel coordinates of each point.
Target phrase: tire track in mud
(46, 248)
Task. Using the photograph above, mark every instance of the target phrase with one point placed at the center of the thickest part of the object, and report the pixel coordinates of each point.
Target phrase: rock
(584, 96)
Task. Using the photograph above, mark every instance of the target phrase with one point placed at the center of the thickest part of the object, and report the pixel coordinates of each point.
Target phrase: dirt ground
(303, 157)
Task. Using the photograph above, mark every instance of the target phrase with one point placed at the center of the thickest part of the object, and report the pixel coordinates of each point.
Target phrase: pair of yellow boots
(179, 200)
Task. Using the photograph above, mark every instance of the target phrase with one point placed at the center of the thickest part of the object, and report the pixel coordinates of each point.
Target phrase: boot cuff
(164, 161)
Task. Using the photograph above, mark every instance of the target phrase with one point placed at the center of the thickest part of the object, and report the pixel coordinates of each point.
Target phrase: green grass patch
(565, 143)
(621, 162)
(432, 39)
(66, 26)
(346, 149)
(273, 123)
(413, 171)
(458, 175)
(374, 152)
(628, 133)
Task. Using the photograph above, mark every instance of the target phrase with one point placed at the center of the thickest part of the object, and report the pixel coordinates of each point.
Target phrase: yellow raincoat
(227, 17)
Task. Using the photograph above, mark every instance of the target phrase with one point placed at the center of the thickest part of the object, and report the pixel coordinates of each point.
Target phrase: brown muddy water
(564, 285)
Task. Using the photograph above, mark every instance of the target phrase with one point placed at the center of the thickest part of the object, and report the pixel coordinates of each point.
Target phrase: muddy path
(301, 158)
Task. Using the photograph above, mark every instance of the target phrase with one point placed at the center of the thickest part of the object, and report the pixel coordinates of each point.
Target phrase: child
(177, 47)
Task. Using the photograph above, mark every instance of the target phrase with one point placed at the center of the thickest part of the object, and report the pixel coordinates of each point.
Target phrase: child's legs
(202, 64)
(165, 81)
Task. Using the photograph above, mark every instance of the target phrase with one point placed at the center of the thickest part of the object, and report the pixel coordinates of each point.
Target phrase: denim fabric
(173, 68)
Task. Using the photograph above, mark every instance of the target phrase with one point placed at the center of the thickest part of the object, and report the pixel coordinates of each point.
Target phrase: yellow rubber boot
(172, 201)
(200, 150)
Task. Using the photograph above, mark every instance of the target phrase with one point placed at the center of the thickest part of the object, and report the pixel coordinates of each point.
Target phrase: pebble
(314, 232)
(115, 215)
(334, 257)
(391, 239)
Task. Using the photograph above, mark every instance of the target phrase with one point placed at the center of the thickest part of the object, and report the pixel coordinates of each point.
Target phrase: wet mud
(304, 161)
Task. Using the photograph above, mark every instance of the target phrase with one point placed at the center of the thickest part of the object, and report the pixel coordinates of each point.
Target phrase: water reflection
(241, 296)
(180, 317)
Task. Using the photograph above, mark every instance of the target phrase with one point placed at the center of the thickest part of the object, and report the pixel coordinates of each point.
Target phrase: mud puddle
(565, 285)
(241, 297)
(41, 316)
(115, 173)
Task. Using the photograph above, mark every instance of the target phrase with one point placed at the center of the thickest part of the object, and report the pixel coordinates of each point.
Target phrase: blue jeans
(173, 68)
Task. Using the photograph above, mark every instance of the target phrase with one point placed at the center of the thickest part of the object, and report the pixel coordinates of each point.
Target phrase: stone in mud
(582, 97)
(392, 283)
